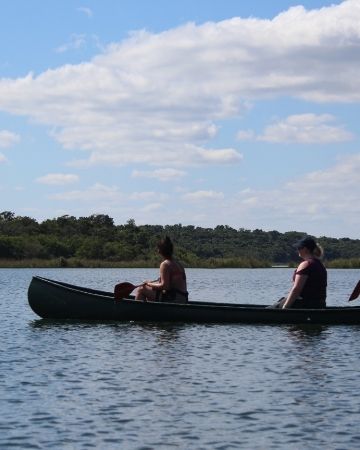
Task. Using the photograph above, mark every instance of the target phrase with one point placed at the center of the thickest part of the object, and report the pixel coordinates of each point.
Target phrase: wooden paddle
(123, 290)
(356, 292)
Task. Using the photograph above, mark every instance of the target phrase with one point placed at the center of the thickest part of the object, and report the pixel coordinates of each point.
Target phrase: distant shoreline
(76, 263)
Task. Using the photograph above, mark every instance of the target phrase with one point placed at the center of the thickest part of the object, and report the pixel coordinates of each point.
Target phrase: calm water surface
(177, 386)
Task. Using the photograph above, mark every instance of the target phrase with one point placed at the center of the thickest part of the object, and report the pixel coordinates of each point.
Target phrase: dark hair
(165, 247)
(310, 243)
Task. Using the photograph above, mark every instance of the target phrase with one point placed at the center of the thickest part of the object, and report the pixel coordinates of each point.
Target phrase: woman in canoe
(171, 286)
(310, 278)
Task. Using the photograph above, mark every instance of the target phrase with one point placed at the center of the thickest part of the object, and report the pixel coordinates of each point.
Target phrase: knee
(139, 293)
(140, 290)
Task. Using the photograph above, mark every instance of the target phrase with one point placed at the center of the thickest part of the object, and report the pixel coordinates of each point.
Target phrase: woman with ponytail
(310, 278)
(171, 286)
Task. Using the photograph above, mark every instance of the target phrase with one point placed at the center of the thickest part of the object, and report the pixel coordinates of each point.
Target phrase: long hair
(166, 247)
(318, 251)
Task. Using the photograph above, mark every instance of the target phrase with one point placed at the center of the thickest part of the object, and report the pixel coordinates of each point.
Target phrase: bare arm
(164, 281)
(298, 285)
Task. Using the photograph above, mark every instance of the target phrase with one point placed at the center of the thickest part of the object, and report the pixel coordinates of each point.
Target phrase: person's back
(313, 293)
(177, 275)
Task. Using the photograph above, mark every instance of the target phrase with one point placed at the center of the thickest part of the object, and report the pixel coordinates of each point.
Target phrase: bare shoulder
(165, 264)
(303, 265)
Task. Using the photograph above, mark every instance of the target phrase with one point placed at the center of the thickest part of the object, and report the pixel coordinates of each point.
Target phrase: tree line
(96, 240)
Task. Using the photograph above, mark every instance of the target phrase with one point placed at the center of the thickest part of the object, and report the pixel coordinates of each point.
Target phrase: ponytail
(318, 251)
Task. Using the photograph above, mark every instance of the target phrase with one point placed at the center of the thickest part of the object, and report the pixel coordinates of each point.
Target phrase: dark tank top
(314, 292)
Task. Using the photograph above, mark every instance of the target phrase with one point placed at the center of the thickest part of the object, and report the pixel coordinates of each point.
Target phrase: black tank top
(314, 291)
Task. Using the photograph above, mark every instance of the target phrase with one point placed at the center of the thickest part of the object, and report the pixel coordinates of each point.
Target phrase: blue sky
(194, 112)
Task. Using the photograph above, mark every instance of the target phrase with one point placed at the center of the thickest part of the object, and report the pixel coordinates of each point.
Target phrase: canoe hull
(56, 300)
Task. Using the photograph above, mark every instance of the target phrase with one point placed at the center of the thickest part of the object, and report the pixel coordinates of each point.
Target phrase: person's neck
(308, 256)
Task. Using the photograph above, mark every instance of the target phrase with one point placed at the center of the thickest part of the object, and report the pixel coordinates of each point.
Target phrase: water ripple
(163, 386)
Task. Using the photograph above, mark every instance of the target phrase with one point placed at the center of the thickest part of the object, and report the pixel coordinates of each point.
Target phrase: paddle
(123, 290)
(355, 293)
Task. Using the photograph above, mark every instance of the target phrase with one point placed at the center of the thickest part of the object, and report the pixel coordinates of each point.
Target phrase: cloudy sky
(194, 112)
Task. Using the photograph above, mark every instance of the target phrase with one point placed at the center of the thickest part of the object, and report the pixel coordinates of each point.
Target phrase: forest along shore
(95, 241)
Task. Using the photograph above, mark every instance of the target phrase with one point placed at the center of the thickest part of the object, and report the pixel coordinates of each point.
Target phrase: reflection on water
(81, 385)
(164, 332)
(307, 331)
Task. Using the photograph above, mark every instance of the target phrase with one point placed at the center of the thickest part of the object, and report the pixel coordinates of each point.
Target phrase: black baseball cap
(307, 242)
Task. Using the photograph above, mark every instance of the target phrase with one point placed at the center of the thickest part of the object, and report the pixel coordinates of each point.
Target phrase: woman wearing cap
(310, 278)
(171, 286)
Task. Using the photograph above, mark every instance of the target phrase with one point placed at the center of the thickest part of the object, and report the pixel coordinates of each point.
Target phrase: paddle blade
(355, 293)
(123, 290)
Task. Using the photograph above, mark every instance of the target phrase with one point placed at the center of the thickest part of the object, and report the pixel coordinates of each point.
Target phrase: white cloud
(58, 179)
(157, 98)
(324, 202)
(75, 42)
(96, 193)
(203, 196)
(152, 207)
(224, 155)
(333, 183)
(167, 174)
(2, 158)
(302, 128)
(146, 195)
(87, 11)
(7, 138)
(245, 135)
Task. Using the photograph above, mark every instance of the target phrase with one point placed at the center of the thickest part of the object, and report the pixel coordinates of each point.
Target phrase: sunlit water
(177, 386)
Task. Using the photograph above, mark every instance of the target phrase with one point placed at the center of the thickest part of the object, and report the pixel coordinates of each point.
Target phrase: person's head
(309, 245)
(165, 247)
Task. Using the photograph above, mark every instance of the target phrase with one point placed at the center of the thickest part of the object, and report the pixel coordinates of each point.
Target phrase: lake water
(177, 386)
